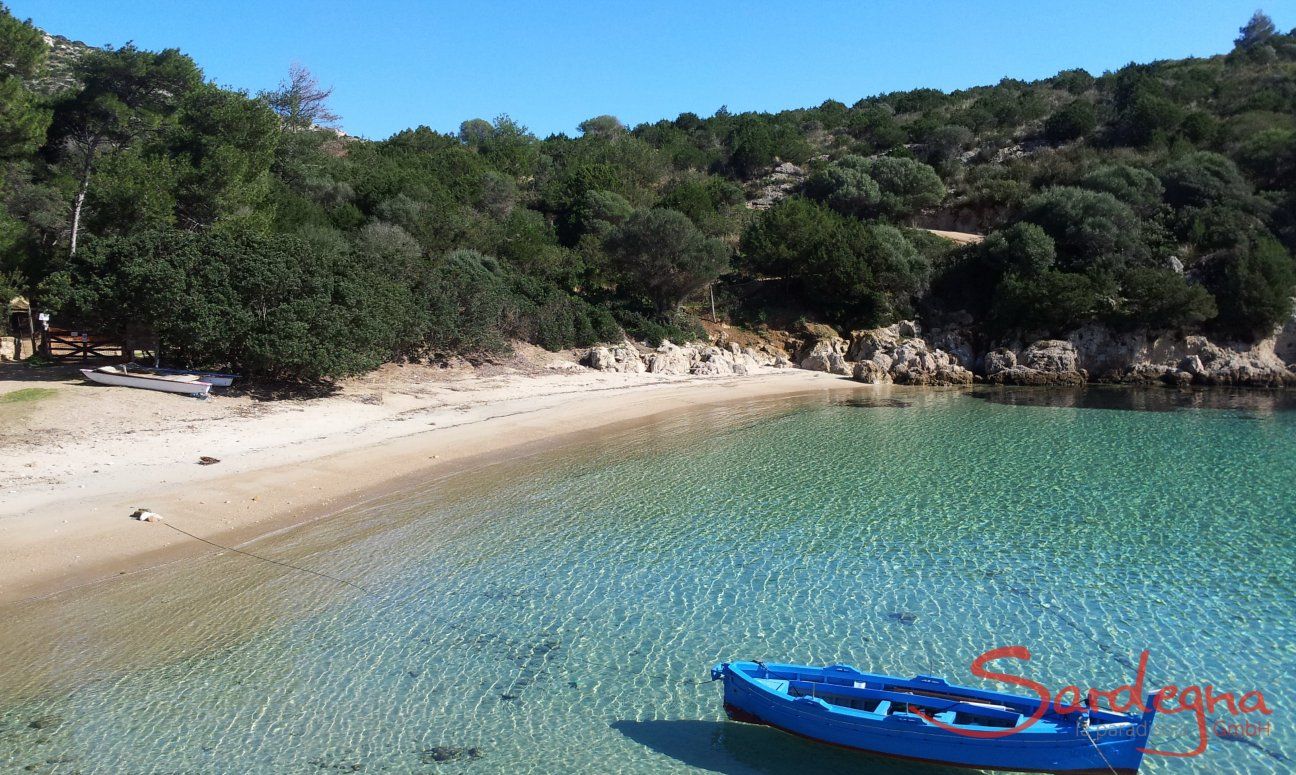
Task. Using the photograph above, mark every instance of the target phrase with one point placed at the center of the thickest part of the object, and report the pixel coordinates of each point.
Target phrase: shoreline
(58, 538)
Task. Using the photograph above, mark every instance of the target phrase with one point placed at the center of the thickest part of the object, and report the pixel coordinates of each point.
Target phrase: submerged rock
(875, 403)
(448, 753)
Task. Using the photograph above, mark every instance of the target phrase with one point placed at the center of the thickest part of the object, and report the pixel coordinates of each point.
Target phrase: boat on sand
(927, 719)
(215, 379)
(190, 384)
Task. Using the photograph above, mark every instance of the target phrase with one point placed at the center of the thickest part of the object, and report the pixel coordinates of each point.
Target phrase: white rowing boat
(189, 384)
(214, 378)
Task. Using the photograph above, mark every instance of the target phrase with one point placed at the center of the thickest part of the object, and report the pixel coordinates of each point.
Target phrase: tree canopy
(138, 194)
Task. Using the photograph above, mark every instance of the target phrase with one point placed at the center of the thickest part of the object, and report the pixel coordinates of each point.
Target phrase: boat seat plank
(802, 688)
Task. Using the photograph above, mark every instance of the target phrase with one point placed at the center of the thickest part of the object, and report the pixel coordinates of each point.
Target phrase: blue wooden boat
(893, 716)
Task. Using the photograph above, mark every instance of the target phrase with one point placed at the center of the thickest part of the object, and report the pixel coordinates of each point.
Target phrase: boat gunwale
(165, 370)
(205, 387)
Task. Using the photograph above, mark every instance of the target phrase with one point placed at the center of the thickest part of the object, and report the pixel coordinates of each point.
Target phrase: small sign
(43, 317)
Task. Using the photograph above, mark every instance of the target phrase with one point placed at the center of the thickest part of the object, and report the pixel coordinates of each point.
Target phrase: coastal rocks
(1050, 355)
(870, 373)
(1046, 362)
(1020, 375)
(1285, 340)
(1192, 364)
(831, 362)
(715, 362)
(896, 354)
(1257, 366)
(817, 346)
(622, 358)
(956, 343)
(1137, 358)
(917, 364)
(1000, 359)
(671, 359)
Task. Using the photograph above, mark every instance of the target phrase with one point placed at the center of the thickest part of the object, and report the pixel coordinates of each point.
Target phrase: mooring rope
(1098, 748)
(289, 565)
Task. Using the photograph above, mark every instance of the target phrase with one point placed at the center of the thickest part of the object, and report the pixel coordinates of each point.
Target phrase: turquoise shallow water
(559, 613)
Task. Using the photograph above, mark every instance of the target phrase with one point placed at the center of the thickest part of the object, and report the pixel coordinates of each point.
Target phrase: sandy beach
(79, 459)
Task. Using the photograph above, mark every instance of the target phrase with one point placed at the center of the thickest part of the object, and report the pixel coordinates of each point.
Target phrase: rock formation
(1046, 362)
(898, 354)
(670, 359)
(901, 354)
(785, 178)
(620, 358)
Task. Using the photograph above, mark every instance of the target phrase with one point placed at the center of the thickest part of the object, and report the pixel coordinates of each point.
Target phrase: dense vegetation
(244, 231)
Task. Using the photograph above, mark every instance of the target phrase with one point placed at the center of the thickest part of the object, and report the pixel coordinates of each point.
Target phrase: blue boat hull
(1099, 751)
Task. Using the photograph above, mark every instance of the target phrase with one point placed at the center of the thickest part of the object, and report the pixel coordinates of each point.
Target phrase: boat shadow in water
(735, 749)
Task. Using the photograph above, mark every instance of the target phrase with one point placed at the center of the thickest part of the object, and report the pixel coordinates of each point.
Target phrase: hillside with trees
(245, 231)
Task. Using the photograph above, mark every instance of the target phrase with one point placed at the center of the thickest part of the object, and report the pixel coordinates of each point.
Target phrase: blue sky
(400, 63)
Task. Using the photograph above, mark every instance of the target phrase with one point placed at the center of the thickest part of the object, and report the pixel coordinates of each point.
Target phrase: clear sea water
(559, 612)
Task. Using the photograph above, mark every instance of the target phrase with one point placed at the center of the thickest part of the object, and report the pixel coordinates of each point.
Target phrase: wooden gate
(64, 345)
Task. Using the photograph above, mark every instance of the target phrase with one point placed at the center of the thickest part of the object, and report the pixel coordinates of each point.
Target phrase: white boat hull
(211, 378)
(147, 383)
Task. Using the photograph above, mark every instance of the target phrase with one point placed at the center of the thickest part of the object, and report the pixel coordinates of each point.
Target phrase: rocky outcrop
(820, 348)
(620, 358)
(782, 181)
(1098, 354)
(715, 362)
(1046, 362)
(897, 354)
(1137, 357)
(671, 359)
(901, 354)
(1285, 341)
(999, 359)
(1257, 366)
